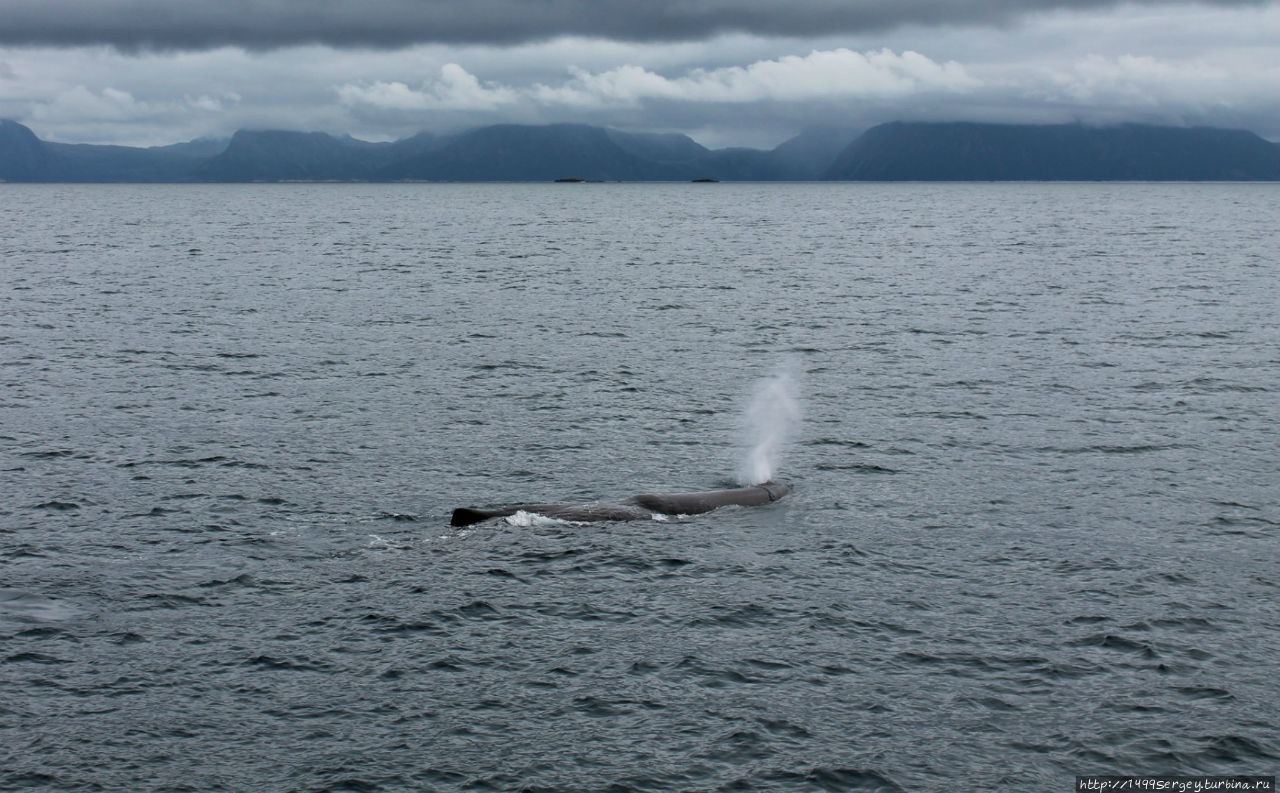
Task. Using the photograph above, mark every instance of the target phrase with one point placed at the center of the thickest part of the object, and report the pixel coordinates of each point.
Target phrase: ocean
(1031, 430)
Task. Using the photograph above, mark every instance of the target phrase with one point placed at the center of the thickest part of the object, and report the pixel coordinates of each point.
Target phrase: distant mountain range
(890, 152)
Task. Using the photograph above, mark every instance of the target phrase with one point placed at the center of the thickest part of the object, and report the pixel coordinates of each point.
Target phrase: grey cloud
(267, 24)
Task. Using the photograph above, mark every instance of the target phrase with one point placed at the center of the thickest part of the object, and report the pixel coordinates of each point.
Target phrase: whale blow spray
(769, 421)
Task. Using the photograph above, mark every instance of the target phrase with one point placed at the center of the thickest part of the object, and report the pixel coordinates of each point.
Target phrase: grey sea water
(1033, 533)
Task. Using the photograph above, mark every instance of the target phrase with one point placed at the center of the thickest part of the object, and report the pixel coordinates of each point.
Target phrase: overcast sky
(726, 72)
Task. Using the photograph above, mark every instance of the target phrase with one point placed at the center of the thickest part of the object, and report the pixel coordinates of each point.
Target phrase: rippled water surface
(1033, 533)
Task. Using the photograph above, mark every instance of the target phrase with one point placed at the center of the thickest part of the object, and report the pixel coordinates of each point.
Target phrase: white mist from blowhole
(769, 422)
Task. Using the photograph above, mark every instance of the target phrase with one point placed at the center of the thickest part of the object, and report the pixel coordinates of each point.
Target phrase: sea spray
(768, 422)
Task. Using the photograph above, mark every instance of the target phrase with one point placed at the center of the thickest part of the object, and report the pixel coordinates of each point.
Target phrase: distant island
(898, 151)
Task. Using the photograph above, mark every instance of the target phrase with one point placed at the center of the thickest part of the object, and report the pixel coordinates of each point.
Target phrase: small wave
(499, 572)
(1237, 749)
(244, 464)
(1111, 641)
(296, 664)
(242, 580)
(1204, 692)
(155, 512)
(398, 517)
(31, 607)
(378, 542)
(835, 442)
(49, 455)
(481, 609)
(1112, 448)
(831, 778)
(178, 462)
(34, 658)
(737, 616)
(173, 600)
(862, 468)
(58, 506)
(1214, 385)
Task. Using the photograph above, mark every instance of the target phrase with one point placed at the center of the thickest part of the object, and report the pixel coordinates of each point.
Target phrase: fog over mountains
(509, 152)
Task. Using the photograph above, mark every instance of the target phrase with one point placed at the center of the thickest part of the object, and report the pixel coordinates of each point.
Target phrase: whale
(644, 506)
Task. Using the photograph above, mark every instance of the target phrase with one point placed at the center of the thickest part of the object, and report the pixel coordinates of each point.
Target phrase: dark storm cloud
(265, 24)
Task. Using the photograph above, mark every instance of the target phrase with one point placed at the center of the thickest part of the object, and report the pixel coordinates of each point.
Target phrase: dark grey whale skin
(640, 507)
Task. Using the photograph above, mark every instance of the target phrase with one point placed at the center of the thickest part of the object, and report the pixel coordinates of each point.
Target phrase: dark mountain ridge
(510, 152)
(23, 156)
(958, 151)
